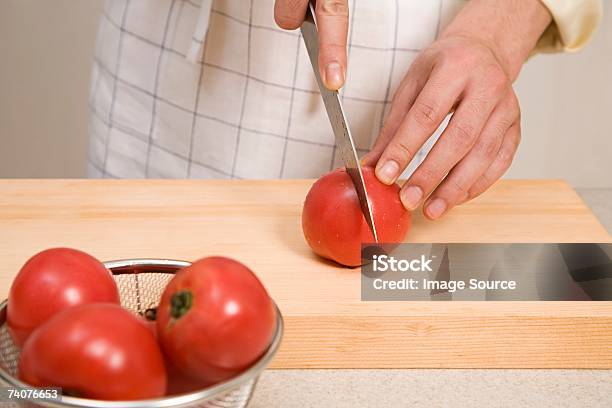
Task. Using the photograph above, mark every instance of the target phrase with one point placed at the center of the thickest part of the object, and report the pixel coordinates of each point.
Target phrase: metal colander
(141, 283)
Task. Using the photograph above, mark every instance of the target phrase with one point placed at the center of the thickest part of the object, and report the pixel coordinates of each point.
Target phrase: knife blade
(335, 112)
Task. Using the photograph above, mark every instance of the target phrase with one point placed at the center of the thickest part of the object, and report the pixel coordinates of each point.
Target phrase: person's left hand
(476, 148)
(467, 72)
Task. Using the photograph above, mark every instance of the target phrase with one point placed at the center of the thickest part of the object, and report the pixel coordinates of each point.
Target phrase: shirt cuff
(573, 25)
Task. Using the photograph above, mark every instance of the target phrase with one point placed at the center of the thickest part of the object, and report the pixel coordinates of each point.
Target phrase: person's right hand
(332, 23)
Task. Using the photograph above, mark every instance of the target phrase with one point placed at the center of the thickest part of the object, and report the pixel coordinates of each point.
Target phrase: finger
(424, 116)
(454, 143)
(501, 164)
(482, 94)
(404, 97)
(289, 14)
(332, 23)
(455, 187)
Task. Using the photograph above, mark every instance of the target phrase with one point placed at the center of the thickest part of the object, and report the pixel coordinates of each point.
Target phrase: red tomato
(215, 319)
(99, 351)
(180, 383)
(51, 281)
(334, 225)
(151, 325)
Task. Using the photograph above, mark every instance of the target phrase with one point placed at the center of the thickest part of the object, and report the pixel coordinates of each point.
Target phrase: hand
(479, 143)
(462, 73)
(332, 22)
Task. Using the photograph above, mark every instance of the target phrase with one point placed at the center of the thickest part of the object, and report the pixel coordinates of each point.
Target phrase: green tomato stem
(180, 303)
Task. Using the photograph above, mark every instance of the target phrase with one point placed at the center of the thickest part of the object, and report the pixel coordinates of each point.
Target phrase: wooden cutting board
(327, 326)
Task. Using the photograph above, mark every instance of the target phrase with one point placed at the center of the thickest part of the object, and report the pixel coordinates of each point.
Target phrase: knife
(335, 112)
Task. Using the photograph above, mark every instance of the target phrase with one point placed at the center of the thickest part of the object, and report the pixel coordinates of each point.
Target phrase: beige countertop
(443, 388)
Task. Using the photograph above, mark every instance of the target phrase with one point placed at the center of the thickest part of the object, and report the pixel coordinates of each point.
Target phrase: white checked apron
(213, 89)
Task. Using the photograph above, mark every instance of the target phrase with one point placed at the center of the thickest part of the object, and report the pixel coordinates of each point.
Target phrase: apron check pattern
(214, 89)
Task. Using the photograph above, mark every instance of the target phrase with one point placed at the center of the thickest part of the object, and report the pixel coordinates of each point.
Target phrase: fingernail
(334, 77)
(436, 208)
(387, 172)
(411, 197)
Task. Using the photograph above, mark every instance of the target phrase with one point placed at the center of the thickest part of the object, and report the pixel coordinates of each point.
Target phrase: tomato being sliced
(97, 350)
(51, 281)
(334, 225)
(215, 319)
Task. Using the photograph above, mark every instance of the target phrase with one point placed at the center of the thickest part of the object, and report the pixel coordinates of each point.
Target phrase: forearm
(510, 28)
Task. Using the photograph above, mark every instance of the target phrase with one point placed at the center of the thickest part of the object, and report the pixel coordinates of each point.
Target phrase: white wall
(566, 102)
(46, 49)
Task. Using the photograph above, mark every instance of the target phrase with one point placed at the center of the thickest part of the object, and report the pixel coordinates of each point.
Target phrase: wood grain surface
(327, 326)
